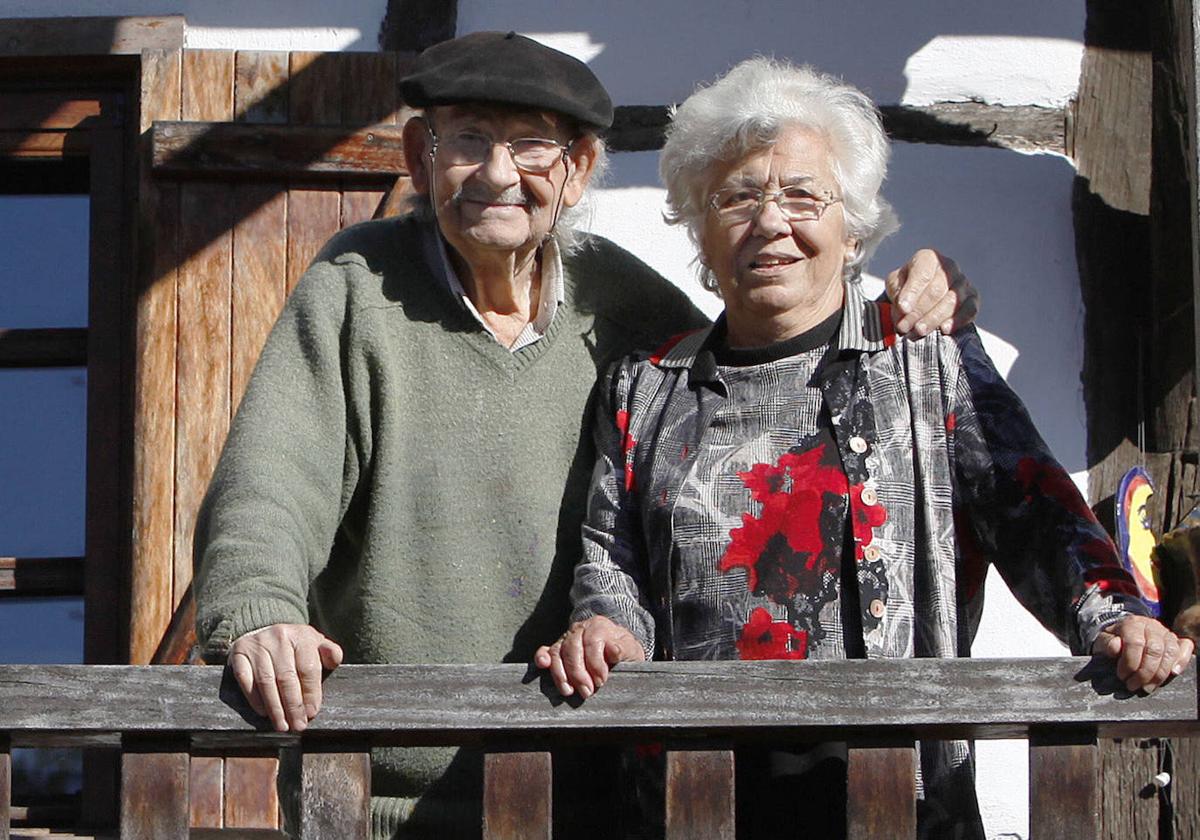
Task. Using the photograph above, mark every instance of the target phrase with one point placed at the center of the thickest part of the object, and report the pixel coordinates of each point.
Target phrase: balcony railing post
(881, 791)
(1063, 784)
(700, 794)
(517, 791)
(5, 787)
(335, 794)
(154, 789)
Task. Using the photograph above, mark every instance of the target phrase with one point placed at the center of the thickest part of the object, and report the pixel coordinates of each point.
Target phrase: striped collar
(866, 327)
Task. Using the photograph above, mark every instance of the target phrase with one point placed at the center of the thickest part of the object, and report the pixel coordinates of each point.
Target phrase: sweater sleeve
(269, 518)
(611, 578)
(1025, 513)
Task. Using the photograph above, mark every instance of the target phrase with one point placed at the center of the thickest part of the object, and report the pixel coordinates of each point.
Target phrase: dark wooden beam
(453, 703)
(417, 24)
(276, 151)
(59, 36)
(54, 347)
(26, 576)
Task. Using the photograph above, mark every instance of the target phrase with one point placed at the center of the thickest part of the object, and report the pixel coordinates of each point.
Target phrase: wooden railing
(159, 715)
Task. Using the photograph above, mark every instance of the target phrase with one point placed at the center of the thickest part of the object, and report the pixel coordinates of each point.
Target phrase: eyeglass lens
(535, 154)
(739, 204)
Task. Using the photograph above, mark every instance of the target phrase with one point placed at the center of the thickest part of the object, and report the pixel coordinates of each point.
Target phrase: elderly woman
(794, 482)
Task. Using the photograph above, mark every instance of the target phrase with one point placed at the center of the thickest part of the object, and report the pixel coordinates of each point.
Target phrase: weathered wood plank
(1126, 767)
(372, 93)
(1185, 786)
(154, 791)
(26, 576)
(59, 36)
(700, 794)
(399, 199)
(317, 86)
(208, 85)
(313, 217)
(178, 645)
(206, 792)
(1064, 780)
(47, 111)
(957, 698)
(276, 151)
(236, 834)
(517, 796)
(154, 373)
(259, 276)
(202, 365)
(335, 795)
(359, 206)
(47, 145)
(251, 798)
(5, 787)
(261, 87)
(50, 347)
(881, 792)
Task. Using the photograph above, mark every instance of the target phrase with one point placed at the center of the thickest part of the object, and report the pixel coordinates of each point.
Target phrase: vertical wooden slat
(251, 797)
(335, 795)
(206, 791)
(154, 791)
(313, 217)
(317, 82)
(5, 787)
(700, 794)
(1126, 766)
(372, 89)
(154, 374)
(1063, 783)
(261, 87)
(1185, 785)
(202, 374)
(516, 796)
(359, 205)
(259, 276)
(881, 792)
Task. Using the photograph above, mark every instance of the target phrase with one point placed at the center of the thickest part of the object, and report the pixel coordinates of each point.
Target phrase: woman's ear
(418, 144)
(583, 154)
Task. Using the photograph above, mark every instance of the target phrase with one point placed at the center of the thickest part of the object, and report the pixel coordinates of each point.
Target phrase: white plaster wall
(1005, 217)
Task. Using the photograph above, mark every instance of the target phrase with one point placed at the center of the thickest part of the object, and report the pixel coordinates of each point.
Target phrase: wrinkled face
(492, 205)
(771, 266)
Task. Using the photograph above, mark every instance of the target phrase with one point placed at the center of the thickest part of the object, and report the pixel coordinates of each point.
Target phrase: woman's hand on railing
(581, 658)
(279, 669)
(1147, 653)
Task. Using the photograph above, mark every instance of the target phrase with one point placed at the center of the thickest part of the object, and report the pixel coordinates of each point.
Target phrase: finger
(968, 310)
(541, 657)
(894, 283)
(243, 673)
(1165, 663)
(1107, 644)
(287, 681)
(575, 665)
(558, 672)
(595, 662)
(264, 684)
(308, 669)
(1187, 649)
(331, 654)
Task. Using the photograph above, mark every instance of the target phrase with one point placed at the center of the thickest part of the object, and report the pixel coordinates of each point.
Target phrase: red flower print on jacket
(627, 447)
(765, 638)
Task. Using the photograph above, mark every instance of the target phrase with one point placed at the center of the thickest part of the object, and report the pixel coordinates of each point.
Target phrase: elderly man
(406, 474)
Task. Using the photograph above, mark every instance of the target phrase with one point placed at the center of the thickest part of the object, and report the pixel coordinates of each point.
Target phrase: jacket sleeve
(612, 577)
(1020, 509)
(267, 523)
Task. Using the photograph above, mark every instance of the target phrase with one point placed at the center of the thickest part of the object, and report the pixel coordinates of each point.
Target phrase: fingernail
(1177, 669)
(906, 303)
(1149, 689)
(585, 692)
(922, 328)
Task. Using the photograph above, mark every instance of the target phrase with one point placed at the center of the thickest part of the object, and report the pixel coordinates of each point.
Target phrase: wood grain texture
(419, 703)
(398, 200)
(316, 88)
(1128, 806)
(1185, 786)
(59, 36)
(881, 792)
(260, 87)
(1063, 787)
(153, 490)
(208, 85)
(251, 798)
(700, 794)
(202, 366)
(517, 796)
(259, 276)
(154, 792)
(357, 206)
(335, 796)
(5, 787)
(313, 217)
(48, 111)
(221, 149)
(206, 792)
(372, 93)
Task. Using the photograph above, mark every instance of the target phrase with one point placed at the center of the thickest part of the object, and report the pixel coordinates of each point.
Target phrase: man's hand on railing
(279, 670)
(580, 659)
(1147, 653)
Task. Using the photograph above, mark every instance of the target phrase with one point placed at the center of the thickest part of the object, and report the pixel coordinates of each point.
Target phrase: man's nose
(498, 169)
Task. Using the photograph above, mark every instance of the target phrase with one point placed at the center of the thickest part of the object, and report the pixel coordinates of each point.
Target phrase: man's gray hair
(746, 110)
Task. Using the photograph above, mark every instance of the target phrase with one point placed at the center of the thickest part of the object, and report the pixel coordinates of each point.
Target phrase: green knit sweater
(401, 481)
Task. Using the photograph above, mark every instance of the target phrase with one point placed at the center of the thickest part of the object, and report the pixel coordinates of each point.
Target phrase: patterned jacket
(947, 474)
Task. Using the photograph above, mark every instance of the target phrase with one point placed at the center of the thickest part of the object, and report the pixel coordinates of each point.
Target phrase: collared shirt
(548, 300)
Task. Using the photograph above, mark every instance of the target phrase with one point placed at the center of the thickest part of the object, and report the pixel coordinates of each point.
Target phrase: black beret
(507, 69)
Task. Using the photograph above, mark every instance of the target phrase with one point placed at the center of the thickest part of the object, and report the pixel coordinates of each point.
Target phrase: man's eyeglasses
(530, 154)
(735, 205)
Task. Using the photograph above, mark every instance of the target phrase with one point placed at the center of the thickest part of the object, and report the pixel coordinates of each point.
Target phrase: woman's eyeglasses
(735, 205)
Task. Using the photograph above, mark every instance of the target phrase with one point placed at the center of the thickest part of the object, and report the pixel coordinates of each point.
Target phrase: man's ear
(583, 155)
(417, 145)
